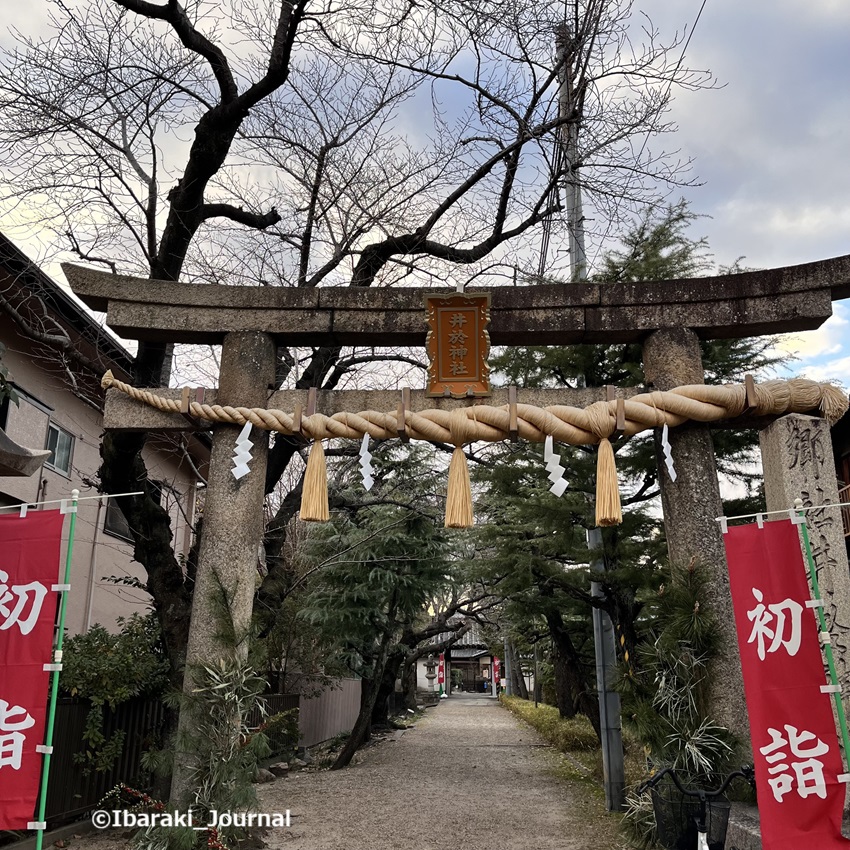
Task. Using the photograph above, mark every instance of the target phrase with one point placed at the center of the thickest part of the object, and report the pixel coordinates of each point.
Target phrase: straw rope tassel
(314, 497)
(459, 495)
(608, 509)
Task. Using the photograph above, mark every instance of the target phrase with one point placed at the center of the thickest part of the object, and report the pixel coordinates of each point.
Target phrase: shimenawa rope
(592, 425)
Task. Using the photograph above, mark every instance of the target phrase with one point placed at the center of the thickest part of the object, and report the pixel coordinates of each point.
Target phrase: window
(61, 445)
(115, 523)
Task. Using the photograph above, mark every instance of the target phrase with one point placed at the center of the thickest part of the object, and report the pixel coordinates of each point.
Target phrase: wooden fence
(72, 793)
(324, 710)
(275, 703)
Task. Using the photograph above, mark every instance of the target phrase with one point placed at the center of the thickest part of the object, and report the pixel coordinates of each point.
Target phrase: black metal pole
(609, 700)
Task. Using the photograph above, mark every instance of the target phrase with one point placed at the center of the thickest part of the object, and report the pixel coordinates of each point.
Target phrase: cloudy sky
(772, 147)
(770, 144)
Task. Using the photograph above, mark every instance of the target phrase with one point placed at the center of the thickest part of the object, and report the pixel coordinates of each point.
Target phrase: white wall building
(60, 409)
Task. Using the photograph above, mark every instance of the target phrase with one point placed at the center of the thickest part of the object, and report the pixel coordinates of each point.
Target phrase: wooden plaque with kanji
(458, 344)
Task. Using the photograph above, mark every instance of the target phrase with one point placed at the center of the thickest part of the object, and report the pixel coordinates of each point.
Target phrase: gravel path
(469, 775)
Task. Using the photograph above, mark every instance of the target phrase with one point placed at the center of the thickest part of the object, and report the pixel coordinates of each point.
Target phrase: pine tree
(384, 557)
(538, 540)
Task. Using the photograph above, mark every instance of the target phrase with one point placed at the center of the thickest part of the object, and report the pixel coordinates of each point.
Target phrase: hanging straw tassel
(314, 497)
(459, 494)
(608, 510)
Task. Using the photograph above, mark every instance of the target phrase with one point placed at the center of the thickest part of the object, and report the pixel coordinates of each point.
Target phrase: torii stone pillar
(233, 529)
(796, 453)
(671, 358)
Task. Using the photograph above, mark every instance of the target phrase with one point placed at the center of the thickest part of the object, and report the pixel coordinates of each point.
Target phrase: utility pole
(569, 108)
(535, 674)
(613, 766)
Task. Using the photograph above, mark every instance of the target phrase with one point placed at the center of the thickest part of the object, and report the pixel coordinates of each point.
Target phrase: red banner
(496, 670)
(795, 745)
(441, 669)
(29, 566)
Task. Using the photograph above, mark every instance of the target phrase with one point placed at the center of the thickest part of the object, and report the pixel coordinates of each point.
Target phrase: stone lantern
(430, 671)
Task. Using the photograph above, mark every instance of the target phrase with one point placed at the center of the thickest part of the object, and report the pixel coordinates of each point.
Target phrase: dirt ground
(468, 775)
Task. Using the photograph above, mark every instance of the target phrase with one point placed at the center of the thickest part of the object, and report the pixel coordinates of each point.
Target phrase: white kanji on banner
(20, 604)
(12, 739)
(780, 623)
(808, 770)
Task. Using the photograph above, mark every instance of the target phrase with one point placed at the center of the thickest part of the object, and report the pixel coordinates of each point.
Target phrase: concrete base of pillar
(744, 831)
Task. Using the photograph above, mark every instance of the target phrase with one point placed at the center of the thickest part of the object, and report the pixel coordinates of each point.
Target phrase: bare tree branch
(259, 221)
(174, 14)
(85, 255)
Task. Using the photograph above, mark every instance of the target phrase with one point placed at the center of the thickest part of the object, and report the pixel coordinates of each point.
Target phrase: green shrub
(110, 669)
(565, 734)
(666, 694)
(224, 752)
(281, 730)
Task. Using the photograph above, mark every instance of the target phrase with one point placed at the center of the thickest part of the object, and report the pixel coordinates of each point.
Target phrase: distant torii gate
(668, 318)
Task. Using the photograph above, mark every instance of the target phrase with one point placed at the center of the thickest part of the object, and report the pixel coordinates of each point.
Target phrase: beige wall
(96, 554)
(333, 710)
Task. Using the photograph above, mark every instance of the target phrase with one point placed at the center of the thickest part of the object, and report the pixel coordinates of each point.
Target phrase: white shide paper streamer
(554, 468)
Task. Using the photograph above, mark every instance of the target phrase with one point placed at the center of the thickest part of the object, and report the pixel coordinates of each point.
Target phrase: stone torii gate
(668, 318)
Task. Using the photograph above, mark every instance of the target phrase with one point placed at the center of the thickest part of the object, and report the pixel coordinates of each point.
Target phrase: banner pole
(56, 668)
(827, 647)
(26, 505)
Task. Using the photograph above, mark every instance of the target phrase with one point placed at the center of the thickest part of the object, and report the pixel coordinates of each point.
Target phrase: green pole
(54, 684)
(830, 660)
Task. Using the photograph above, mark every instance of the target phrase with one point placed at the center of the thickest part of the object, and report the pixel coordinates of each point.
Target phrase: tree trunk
(368, 697)
(571, 680)
(565, 686)
(520, 687)
(408, 683)
(386, 688)
(123, 470)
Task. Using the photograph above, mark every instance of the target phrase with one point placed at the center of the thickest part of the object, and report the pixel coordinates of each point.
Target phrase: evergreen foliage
(379, 564)
(536, 543)
(380, 559)
(110, 669)
(563, 735)
(658, 246)
(383, 565)
(665, 694)
(225, 753)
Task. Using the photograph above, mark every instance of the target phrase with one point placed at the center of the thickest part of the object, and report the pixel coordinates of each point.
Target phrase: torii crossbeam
(794, 298)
